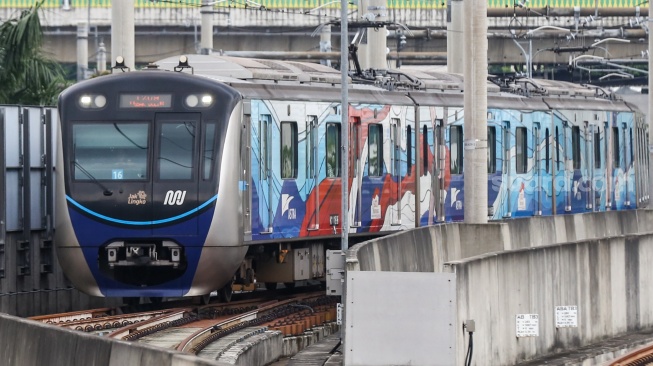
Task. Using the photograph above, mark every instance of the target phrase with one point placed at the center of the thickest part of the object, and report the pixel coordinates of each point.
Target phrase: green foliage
(28, 76)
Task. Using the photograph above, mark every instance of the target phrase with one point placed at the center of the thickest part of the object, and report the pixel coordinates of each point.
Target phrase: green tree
(27, 75)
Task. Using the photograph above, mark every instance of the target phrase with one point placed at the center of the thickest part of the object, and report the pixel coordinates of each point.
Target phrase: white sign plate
(567, 316)
(339, 314)
(528, 325)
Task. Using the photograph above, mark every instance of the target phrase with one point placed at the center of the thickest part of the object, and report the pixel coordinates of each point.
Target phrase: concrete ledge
(26, 342)
(426, 249)
(599, 262)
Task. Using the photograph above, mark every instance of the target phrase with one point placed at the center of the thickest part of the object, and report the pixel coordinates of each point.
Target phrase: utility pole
(455, 21)
(650, 102)
(82, 50)
(122, 32)
(206, 42)
(325, 43)
(344, 157)
(372, 51)
(475, 113)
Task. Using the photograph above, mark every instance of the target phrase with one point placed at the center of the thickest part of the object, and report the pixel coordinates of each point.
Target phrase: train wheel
(289, 284)
(270, 285)
(225, 293)
(156, 300)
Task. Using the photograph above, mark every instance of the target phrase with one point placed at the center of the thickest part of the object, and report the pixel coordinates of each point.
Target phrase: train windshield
(110, 151)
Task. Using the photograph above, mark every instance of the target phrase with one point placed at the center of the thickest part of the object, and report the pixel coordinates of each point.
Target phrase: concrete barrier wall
(427, 249)
(599, 262)
(27, 343)
(609, 280)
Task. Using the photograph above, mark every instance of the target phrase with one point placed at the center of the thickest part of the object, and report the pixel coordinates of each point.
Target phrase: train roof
(277, 79)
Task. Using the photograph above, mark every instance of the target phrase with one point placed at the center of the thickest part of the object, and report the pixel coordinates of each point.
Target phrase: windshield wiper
(107, 191)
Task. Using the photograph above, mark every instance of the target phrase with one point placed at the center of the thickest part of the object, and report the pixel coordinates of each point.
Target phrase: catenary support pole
(455, 61)
(82, 50)
(650, 102)
(344, 156)
(122, 32)
(475, 113)
(206, 42)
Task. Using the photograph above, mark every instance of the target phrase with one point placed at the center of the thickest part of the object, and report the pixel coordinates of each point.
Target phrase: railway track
(208, 331)
(639, 357)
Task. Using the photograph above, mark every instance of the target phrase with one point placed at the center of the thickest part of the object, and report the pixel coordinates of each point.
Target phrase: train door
(175, 171)
(506, 144)
(587, 170)
(265, 173)
(358, 170)
(245, 173)
(439, 169)
(395, 156)
(567, 166)
(598, 184)
(312, 186)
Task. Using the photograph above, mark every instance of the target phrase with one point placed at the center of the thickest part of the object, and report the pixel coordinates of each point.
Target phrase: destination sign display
(145, 101)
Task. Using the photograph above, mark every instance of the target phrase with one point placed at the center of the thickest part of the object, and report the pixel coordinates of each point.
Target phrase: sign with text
(567, 316)
(528, 325)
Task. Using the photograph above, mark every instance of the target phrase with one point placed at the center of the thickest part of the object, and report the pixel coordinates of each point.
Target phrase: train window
(110, 151)
(557, 149)
(264, 122)
(491, 150)
(521, 153)
(311, 126)
(409, 149)
(575, 146)
(209, 146)
(375, 150)
(288, 150)
(547, 151)
(333, 150)
(615, 147)
(425, 150)
(597, 149)
(632, 152)
(176, 146)
(456, 149)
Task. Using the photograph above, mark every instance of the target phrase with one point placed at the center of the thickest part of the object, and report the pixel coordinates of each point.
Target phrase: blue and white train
(196, 172)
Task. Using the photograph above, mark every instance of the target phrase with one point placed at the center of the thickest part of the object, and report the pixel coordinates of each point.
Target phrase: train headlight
(85, 101)
(92, 101)
(207, 100)
(100, 101)
(199, 101)
(192, 101)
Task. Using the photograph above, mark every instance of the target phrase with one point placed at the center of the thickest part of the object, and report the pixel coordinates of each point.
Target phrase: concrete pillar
(82, 49)
(206, 42)
(475, 127)
(122, 32)
(325, 43)
(372, 52)
(101, 58)
(649, 112)
(455, 21)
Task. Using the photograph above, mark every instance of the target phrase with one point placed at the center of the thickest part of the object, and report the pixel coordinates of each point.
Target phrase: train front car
(148, 202)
